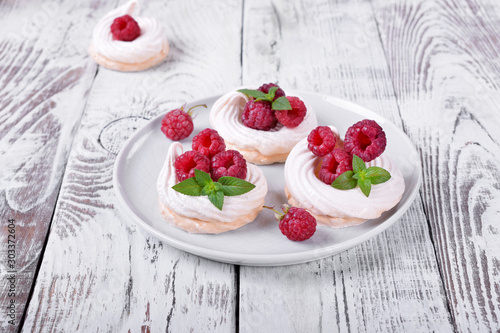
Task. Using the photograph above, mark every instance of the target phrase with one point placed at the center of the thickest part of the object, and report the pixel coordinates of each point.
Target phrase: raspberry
(321, 140)
(298, 224)
(178, 124)
(259, 115)
(186, 163)
(365, 139)
(295, 223)
(229, 163)
(292, 118)
(208, 142)
(125, 28)
(265, 89)
(333, 165)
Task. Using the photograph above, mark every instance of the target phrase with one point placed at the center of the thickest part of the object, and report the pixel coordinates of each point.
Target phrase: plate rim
(280, 259)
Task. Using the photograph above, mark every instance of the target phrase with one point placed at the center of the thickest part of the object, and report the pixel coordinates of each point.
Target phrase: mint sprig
(202, 184)
(361, 176)
(281, 103)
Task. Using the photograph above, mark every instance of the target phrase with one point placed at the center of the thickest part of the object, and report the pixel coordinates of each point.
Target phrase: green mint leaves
(189, 187)
(361, 176)
(345, 181)
(280, 103)
(232, 186)
(202, 184)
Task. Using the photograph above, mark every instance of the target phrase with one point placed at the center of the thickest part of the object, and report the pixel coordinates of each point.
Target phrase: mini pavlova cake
(209, 189)
(263, 124)
(124, 41)
(343, 183)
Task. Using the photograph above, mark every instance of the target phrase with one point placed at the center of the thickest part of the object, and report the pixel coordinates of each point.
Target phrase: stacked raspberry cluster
(209, 154)
(365, 139)
(264, 111)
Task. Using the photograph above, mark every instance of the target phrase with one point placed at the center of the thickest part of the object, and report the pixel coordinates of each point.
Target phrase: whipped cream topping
(200, 207)
(320, 199)
(225, 117)
(150, 43)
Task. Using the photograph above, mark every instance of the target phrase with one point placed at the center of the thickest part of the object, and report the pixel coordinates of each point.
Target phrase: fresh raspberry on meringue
(267, 146)
(124, 41)
(334, 207)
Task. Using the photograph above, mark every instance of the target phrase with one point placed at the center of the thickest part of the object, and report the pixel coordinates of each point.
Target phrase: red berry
(178, 124)
(333, 165)
(297, 224)
(366, 139)
(259, 115)
(208, 142)
(125, 28)
(292, 118)
(229, 163)
(186, 163)
(265, 89)
(321, 140)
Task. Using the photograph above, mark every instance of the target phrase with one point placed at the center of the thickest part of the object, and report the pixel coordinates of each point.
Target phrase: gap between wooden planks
(390, 283)
(44, 78)
(350, 88)
(443, 58)
(99, 272)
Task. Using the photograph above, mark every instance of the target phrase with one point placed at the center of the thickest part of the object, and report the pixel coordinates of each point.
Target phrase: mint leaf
(188, 187)
(217, 199)
(255, 94)
(202, 184)
(281, 103)
(232, 186)
(202, 178)
(345, 181)
(211, 188)
(271, 93)
(357, 164)
(365, 185)
(207, 190)
(377, 175)
(361, 176)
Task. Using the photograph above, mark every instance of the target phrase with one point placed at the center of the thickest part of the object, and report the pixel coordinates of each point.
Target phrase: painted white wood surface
(99, 273)
(444, 61)
(418, 63)
(389, 284)
(45, 76)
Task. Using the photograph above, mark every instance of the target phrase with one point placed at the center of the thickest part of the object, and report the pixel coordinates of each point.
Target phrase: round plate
(259, 243)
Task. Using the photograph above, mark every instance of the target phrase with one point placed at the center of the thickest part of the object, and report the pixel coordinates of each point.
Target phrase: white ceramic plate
(259, 243)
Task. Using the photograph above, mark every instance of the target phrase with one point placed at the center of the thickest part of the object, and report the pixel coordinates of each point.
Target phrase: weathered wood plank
(99, 273)
(44, 79)
(444, 60)
(390, 283)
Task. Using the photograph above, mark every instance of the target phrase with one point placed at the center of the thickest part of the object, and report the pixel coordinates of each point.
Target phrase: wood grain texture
(388, 284)
(100, 272)
(431, 67)
(443, 57)
(44, 80)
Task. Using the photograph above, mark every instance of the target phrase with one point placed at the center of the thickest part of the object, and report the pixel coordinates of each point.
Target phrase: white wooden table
(432, 67)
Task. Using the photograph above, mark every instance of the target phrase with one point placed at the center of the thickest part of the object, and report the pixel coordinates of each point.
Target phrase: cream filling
(225, 117)
(150, 43)
(200, 207)
(320, 199)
